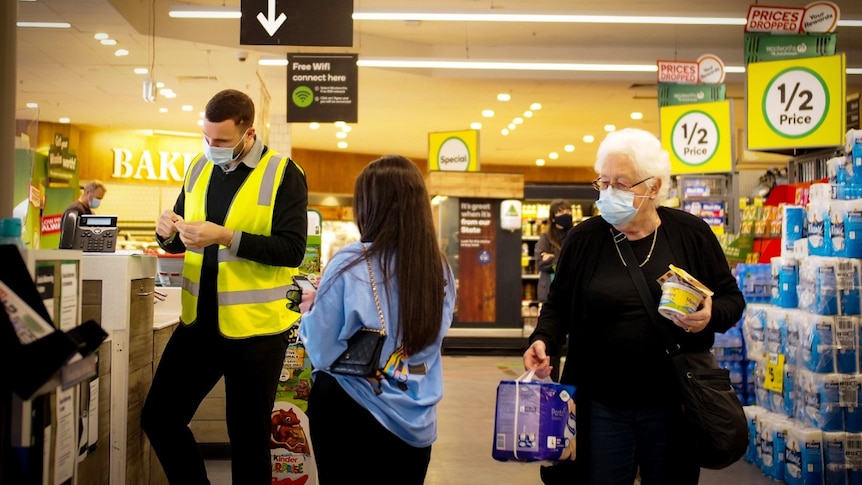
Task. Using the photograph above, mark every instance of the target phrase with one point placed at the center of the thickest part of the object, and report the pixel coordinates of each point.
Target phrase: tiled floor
(462, 453)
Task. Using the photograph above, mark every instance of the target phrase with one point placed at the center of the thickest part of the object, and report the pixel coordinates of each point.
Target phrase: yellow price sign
(698, 137)
(773, 380)
(798, 103)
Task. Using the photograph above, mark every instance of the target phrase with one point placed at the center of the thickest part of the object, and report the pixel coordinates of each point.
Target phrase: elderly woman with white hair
(629, 419)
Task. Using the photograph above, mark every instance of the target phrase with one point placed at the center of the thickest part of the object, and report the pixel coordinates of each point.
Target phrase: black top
(615, 353)
(286, 246)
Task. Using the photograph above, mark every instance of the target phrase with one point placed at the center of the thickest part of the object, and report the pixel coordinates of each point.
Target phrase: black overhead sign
(297, 22)
(322, 88)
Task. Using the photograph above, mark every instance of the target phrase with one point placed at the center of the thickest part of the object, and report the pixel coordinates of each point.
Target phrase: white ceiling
(69, 73)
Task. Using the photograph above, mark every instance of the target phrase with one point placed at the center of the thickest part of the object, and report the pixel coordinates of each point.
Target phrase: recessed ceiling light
(637, 115)
(187, 107)
(346, 129)
(340, 135)
(121, 52)
(504, 97)
(202, 114)
(339, 124)
(475, 125)
(536, 106)
(511, 126)
(504, 132)
(609, 128)
(342, 144)
(64, 120)
(528, 114)
(200, 122)
(569, 148)
(141, 70)
(163, 110)
(518, 120)
(160, 85)
(313, 125)
(488, 113)
(32, 105)
(553, 155)
(101, 36)
(589, 138)
(540, 162)
(108, 42)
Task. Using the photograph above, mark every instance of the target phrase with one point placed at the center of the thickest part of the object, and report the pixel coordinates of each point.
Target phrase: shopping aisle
(462, 453)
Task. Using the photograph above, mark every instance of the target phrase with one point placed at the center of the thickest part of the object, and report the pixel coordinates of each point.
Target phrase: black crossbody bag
(714, 414)
(365, 346)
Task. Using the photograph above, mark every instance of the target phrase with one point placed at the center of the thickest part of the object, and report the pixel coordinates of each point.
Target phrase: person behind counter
(241, 219)
(629, 417)
(91, 197)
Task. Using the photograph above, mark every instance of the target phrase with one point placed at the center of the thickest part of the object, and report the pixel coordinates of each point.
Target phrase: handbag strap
(374, 287)
(622, 242)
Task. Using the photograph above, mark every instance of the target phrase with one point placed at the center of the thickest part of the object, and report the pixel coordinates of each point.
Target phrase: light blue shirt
(344, 304)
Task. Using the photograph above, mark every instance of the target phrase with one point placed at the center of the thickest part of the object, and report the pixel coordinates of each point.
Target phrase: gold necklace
(649, 254)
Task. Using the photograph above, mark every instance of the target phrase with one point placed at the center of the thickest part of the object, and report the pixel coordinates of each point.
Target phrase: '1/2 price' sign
(698, 137)
(796, 103)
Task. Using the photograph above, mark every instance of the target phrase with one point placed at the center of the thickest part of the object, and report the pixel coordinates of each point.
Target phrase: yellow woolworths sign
(798, 103)
(454, 151)
(698, 137)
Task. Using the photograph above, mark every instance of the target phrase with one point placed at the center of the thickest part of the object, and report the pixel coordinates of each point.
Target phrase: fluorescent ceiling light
(544, 18)
(45, 25)
(503, 65)
(513, 66)
(233, 12)
(204, 12)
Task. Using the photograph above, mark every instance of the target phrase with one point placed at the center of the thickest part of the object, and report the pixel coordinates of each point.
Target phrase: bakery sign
(162, 166)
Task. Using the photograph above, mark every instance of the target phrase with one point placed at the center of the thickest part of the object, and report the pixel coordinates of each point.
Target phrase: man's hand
(200, 234)
(165, 227)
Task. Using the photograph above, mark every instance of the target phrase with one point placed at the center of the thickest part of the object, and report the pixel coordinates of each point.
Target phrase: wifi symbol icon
(303, 96)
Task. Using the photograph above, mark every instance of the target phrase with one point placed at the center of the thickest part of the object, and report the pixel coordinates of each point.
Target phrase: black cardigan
(694, 248)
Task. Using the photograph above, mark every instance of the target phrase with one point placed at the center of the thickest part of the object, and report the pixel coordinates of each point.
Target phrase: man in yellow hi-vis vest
(241, 219)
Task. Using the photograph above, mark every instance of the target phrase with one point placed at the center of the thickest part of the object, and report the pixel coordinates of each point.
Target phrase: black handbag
(714, 414)
(365, 346)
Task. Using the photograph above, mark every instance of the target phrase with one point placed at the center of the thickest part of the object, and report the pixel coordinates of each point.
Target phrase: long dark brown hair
(393, 211)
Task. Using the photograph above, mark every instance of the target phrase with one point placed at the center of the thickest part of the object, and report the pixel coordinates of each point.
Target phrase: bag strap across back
(374, 287)
(671, 346)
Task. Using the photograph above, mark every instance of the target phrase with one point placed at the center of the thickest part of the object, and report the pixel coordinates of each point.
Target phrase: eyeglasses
(601, 185)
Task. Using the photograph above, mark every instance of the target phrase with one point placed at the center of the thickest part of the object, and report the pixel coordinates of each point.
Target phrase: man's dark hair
(231, 104)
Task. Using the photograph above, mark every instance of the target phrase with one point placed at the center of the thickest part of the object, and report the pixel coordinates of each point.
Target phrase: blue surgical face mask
(222, 156)
(94, 203)
(616, 206)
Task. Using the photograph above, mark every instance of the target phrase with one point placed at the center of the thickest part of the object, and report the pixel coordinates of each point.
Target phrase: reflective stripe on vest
(251, 296)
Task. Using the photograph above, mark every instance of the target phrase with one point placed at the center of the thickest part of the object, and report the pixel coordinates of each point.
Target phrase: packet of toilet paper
(680, 276)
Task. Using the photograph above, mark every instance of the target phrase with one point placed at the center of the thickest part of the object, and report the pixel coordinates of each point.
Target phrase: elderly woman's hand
(536, 358)
(697, 321)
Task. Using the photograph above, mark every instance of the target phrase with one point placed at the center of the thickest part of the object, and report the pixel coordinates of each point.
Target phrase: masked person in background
(546, 252)
(629, 417)
(241, 219)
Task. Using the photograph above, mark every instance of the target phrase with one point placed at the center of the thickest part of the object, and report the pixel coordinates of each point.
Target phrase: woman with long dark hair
(395, 278)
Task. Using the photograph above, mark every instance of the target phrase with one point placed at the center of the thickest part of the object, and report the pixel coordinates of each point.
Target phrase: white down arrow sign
(270, 22)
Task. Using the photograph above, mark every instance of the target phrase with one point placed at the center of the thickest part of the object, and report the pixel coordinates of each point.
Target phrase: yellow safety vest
(251, 295)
